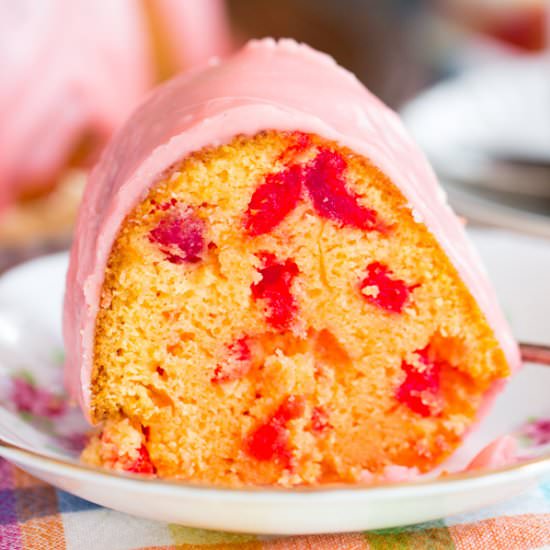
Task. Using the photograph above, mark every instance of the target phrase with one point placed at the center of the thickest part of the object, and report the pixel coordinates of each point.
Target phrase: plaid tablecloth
(34, 515)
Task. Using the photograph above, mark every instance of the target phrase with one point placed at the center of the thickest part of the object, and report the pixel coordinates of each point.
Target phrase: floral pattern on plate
(35, 411)
(534, 437)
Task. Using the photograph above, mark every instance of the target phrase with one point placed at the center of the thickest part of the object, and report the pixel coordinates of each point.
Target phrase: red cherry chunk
(319, 420)
(142, 464)
(236, 364)
(291, 408)
(273, 200)
(180, 236)
(274, 288)
(325, 182)
(420, 389)
(385, 291)
(269, 442)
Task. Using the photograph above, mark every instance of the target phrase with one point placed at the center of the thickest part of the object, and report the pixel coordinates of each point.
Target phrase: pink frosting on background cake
(267, 85)
(72, 68)
(68, 66)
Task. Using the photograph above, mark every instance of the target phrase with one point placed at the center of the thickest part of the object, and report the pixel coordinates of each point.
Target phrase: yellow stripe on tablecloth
(189, 538)
(197, 539)
(433, 538)
(505, 532)
(37, 513)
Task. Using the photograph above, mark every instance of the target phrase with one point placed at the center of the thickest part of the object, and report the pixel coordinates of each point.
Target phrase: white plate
(44, 431)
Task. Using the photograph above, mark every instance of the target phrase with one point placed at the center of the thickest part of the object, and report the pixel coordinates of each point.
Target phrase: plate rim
(532, 468)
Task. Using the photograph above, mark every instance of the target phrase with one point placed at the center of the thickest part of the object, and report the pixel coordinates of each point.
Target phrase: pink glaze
(397, 474)
(267, 85)
(391, 474)
(68, 66)
(501, 452)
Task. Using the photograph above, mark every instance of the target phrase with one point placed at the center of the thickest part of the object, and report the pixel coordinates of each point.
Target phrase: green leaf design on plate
(26, 375)
(58, 356)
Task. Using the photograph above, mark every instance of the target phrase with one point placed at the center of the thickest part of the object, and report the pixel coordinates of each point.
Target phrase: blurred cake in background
(58, 104)
(186, 33)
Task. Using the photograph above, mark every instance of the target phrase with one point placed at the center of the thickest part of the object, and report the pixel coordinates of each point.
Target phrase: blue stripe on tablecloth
(10, 532)
(70, 503)
(8, 514)
(545, 487)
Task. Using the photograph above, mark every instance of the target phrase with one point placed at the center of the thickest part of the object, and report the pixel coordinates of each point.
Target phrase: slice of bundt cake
(267, 287)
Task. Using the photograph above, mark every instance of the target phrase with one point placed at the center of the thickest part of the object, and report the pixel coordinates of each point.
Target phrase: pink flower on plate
(28, 398)
(74, 442)
(538, 431)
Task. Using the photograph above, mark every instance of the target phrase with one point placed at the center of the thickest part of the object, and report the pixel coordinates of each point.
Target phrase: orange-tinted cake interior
(272, 313)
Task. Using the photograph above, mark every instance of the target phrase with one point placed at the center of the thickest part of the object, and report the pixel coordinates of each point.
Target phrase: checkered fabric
(34, 515)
